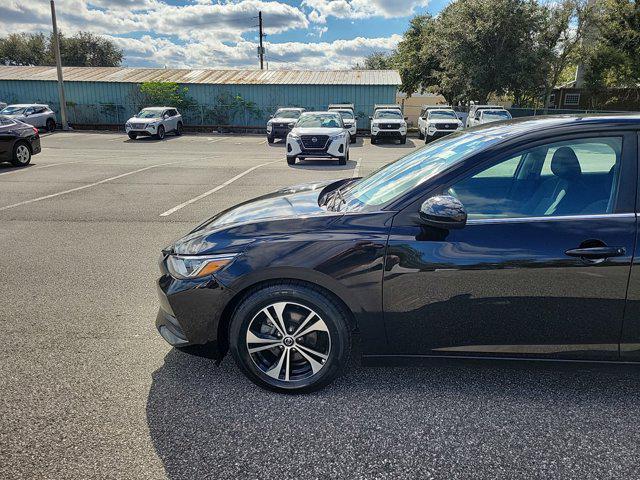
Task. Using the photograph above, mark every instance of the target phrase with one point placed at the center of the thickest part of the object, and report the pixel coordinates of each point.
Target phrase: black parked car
(511, 240)
(18, 141)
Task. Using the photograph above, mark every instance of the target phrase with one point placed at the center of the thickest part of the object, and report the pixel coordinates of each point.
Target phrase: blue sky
(313, 34)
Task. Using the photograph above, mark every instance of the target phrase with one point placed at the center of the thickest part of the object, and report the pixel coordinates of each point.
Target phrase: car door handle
(594, 253)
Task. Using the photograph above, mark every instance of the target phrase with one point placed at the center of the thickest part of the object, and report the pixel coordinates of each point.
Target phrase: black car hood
(291, 202)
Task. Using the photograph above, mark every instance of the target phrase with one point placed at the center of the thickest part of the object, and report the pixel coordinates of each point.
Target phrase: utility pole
(56, 49)
(261, 48)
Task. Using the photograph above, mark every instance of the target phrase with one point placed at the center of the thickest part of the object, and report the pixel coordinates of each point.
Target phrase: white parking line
(64, 192)
(214, 140)
(356, 170)
(213, 190)
(35, 168)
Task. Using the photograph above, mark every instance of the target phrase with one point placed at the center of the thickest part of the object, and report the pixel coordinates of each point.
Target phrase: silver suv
(154, 121)
(35, 114)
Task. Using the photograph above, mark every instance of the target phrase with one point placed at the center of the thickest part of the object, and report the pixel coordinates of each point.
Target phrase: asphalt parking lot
(90, 390)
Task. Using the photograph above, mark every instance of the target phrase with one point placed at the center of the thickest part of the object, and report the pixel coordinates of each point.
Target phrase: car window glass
(575, 177)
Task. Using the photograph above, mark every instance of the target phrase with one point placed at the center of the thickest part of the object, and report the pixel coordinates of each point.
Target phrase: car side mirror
(370, 118)
(406, 118)
(443, 211)
(271, 116)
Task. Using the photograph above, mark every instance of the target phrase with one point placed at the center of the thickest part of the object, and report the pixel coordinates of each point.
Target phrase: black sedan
(18, 142)
(511, 240)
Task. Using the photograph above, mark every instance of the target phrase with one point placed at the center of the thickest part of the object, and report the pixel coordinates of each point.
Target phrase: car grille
(314, 141)
(281, 125)
(390, 126)
(447, 126)
(138, 126)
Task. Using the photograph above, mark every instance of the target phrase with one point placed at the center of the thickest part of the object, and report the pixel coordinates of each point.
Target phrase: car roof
(333, 112)
(289, 108)
(158, 108)
(25, 105)
(522, 125)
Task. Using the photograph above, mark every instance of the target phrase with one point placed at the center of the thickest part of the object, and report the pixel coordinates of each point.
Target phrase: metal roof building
(110, 95)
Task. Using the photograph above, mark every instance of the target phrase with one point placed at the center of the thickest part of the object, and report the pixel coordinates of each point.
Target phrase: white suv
(436, 122)
(318, 135)
(154, 121)
(474, 113)
(347, 112)
(282, 122)
(388, 123)
(35, 114)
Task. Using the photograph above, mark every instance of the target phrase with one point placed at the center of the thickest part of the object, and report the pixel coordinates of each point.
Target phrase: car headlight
(291, 125)
(294, 136)
(338, 136)
(128, 124)
(196, 266)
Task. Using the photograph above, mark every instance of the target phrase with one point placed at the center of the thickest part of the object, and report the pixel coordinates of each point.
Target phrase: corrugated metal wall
(113, 103)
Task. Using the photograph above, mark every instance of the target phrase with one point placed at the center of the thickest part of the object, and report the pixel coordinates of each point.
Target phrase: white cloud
(321, 9)
(202, 33)
(212, 53)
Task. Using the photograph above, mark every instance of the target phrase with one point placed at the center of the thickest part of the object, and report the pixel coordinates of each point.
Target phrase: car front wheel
(291, 160)
(160, 133)
(290, 337)
(132, 135)
(50, 125)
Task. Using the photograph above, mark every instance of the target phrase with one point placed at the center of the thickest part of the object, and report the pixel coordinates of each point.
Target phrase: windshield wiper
(337, 196)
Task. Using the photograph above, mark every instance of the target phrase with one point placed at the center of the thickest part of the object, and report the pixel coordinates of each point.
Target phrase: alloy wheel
(22, 154)
(288, 341)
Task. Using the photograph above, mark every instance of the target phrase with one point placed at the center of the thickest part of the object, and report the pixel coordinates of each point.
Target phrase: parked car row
(436, 121)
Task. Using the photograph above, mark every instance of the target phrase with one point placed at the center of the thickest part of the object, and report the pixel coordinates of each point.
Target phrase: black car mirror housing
(443, 211)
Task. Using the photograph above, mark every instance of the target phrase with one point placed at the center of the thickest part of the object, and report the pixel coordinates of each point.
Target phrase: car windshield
(496, 115)
(442, 114)
(397, 178)
(322, 120)
(388, 114)
(149, 113)
(346, 114)
(13, 110)
(287, 114)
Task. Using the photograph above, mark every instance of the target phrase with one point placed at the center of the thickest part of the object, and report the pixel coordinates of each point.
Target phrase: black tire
(179, 129)
(21, 156)
(300, 297)
(420, 135)
(342, 160)
(160, 134)
(270, 139)
(403, 140)
(353, 139)
(373, 140)
(291, 160)
(50, 125)
(133, 136)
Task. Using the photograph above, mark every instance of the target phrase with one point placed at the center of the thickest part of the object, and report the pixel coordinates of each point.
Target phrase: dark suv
(511, 240)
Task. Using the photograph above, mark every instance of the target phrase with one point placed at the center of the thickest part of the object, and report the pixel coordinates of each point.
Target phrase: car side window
(574, 177)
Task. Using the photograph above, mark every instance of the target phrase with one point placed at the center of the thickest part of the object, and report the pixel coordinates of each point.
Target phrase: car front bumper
(278, 132)
(439, 133)
(190, 311)
(335, 149)
(380, 133)
(147, 130)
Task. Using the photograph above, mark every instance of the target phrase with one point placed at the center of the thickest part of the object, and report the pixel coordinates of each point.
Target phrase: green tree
(614, 57)
(158, 94)
(481, 44)
(80, 50)
(561, 44)
(20, 49)
(416, 58)
(376, 61)
(88, 50)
